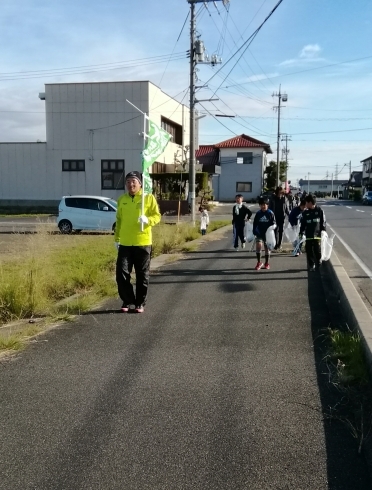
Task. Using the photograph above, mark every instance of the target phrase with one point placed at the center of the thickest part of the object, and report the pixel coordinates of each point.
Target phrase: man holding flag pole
(137, 213)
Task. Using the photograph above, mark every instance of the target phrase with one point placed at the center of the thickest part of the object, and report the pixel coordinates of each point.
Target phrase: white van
(86, 213)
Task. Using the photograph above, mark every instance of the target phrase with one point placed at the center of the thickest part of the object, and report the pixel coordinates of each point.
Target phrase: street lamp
(308, 182)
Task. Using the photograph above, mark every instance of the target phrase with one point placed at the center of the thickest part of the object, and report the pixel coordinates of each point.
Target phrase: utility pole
(286, 138)
(281, 97)
(196, 56)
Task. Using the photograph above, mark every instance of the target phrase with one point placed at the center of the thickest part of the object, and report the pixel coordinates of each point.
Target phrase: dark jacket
(313, 222)
(295, 216)
(278, 206)
(244, 213)
(262, 221)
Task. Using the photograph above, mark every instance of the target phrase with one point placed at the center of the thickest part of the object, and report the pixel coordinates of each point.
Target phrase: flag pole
(143, 187)
(145, 117)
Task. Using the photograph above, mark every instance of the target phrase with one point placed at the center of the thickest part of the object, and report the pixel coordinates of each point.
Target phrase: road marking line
(360, 211)
(349, 207)
(353, 254)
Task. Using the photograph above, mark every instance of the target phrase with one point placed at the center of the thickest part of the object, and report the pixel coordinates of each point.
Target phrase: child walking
(262, 221)
(241, 214)
(294, 219)
(204, 220)
(313, 222)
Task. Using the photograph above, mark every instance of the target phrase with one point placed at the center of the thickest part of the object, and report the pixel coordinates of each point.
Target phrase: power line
(309, 69)
(102, 69)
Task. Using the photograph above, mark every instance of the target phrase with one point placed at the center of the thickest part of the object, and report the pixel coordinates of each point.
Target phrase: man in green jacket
(133, 238)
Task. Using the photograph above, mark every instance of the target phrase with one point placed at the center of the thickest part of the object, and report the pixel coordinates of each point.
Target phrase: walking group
(306, 222)
(138, 213)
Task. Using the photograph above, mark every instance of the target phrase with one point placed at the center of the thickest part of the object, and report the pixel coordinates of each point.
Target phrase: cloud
(310, 51)
(308, 54)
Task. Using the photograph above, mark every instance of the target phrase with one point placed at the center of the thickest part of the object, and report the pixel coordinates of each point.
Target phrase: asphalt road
(219, 385)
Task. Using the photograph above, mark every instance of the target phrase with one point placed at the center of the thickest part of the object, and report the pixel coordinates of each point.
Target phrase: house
(93, 138)
(353, 184)
(366, 177)
(322, 186)
(242, 161)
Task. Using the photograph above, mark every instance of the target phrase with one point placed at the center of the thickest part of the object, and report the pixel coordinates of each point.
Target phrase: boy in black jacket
(263, 219)
(313, 222)
(241, 214)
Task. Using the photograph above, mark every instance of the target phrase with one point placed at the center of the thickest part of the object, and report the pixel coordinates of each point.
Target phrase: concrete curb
(353, 308)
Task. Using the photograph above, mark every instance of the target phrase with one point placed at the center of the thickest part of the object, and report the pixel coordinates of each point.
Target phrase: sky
(318, 52)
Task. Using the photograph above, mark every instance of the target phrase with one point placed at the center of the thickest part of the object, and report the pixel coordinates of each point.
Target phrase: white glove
(143, 219)
(117, 245)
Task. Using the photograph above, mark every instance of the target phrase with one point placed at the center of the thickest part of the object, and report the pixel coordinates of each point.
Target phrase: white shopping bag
(270, 237)
(292, 232)
(326, 245)
(248, 232)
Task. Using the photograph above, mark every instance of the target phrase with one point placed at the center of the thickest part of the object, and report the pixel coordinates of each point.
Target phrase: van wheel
(65, 227)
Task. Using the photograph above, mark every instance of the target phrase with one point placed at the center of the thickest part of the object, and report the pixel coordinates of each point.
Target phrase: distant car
(367, 198)
(86, 213)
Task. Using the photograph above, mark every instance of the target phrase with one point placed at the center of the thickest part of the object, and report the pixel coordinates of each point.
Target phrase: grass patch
(11, 343)
(347, 353)
(36, 280)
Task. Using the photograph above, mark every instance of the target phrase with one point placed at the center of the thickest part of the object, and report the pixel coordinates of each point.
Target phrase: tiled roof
(244, 141)
(207, 155)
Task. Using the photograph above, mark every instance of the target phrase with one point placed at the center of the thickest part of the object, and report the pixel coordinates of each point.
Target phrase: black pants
(279, 232)
(139, 258)
(313, 252)
(238, 233)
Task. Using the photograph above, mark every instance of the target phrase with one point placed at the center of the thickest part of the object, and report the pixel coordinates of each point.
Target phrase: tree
(270, 173)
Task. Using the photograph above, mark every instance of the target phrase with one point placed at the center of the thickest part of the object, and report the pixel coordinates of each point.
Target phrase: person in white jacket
(204, 220)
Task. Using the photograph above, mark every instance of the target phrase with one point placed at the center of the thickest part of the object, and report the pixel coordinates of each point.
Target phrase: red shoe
(139, 309)
(124, 308)
(259, 266)
(267, 266)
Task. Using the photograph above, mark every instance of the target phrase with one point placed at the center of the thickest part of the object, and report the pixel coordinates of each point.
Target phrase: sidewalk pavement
(220, 384)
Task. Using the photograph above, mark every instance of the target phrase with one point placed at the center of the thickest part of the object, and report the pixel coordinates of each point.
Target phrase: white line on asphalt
(349, 207)
(353, 254)
(360, 211)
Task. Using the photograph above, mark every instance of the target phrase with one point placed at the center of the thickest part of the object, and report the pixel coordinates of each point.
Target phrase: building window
(323, 186)
(244, 187)
(246, 158)
(73, 165)
(172, 128)
(112, 174)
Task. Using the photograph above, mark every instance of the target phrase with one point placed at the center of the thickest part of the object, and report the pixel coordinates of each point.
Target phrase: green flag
(157, 140)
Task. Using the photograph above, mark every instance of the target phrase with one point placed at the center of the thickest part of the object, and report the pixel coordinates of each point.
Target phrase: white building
(242, 161)
(322, 186)
(93, 138)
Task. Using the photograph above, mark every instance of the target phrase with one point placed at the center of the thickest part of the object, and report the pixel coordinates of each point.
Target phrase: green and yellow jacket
(128, 229)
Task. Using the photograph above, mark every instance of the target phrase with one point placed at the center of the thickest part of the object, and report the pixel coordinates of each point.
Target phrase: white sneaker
(243, 245)
(236, 249)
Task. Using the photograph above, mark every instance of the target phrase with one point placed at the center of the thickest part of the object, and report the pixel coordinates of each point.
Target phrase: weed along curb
(356, 316)
(353, 309)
